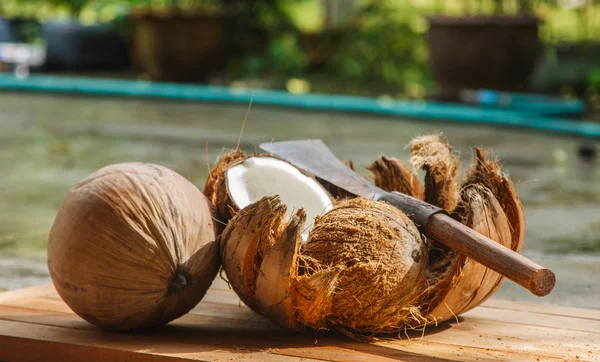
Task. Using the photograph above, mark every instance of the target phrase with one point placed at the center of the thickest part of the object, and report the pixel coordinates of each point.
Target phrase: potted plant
(180, 40)
(493, 48)
(73, 45)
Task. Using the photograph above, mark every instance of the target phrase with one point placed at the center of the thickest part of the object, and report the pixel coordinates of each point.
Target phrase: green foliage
(71, 7)
(594, 79)
(376, 41)
(285, 54)
(385, 45)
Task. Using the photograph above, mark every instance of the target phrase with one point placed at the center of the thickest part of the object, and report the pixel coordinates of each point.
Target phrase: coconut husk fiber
(361, 271)
(374, 258)
(392, 174)
(215, 187)
(485, 200)
(364, 269)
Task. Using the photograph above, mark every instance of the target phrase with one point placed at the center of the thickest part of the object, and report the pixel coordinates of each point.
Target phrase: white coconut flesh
(257, 177)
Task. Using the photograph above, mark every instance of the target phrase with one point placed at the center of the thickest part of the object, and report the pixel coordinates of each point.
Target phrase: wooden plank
(331, 349)
(528, 341)
(243, 318)
(221, 328)
(503, 339)
(518, 317)
(217, 297)
(26, 293)
(221, 293)
(27, 342)
(414, 350)
(40, 303)
(555, 310)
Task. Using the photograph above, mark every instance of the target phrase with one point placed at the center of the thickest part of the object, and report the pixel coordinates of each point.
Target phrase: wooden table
(35, 325)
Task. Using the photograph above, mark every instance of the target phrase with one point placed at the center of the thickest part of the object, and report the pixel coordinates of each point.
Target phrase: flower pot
(72, 46)
(483, 52)
(320, 47)
(179, 46)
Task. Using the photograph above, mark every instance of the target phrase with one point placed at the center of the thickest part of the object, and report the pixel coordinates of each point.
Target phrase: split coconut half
(239, 180)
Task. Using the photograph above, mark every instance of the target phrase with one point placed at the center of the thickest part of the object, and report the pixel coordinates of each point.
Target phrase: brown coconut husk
(466, 283)
(488, 172)
(133, 246)
(215, 185)
(434, 155)
(259, 255)
(487, 203)
(392, 174)
(360, 272)
(364, 270)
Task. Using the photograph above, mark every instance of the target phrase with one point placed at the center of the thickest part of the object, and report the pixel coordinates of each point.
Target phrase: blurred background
(537, 62)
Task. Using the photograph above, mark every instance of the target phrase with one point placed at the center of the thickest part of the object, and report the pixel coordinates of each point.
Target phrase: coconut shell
(278, 268)
(363, 270)
(357, 248)
(133, 245)
(489, 205)
(215, 187)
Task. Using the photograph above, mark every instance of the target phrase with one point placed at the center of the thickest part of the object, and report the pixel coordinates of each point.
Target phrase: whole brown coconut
(361, 271)
(133, 245)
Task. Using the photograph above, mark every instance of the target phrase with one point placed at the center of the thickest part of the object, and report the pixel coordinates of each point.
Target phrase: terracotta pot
(483, 52)
(179, 46)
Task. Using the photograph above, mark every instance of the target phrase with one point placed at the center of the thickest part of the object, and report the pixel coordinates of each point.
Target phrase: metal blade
(316, 158)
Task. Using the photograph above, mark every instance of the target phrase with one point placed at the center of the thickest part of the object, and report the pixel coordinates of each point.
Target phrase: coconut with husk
(133, 245)
(485, 200)
(360, 271)
(360, 267)
(296, 256)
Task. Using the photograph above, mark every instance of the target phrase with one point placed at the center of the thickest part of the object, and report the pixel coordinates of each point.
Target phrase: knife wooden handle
(436, 224)
(516, 267)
